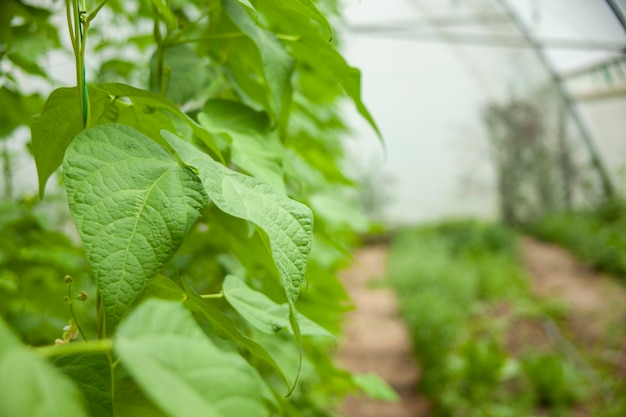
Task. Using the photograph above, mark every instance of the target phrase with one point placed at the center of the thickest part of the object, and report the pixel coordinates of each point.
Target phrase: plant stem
(84, 25)
(71, 304)
(7, 171)
(77, 56)
(50, 351)
(212, 296)
(68, 12)
(101, 316)
(160, 55)
(78, 25)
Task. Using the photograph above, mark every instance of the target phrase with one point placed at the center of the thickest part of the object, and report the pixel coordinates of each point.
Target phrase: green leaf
(375, 387)
(249, 5)
(53, 130)
(18, 109)
(226, 327)
(181, 370)
(232, 116)
(133, 204)
(166, 13)
(91, 373)
(147, 113)
(263, 313)
(305, 8)
(277, 63)
(9, 340)
(30, 386)
(61, 120)
(329, 62)
(255, 148)
(188, 74)
(130, 400)
(287, 223)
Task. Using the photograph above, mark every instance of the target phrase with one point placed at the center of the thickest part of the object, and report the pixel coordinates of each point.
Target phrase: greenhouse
(357, 208)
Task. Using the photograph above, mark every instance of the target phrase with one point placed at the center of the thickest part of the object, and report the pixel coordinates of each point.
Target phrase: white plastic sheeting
(430, 67)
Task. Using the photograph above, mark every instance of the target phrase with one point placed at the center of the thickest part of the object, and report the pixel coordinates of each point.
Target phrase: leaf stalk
(70, 302)
(212, 296)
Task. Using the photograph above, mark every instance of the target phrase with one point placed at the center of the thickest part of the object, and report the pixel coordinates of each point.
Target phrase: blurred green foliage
(451, 279)
(34, 259)
(597, 237)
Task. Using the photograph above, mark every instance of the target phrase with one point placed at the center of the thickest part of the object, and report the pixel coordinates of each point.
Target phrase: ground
(378, 341)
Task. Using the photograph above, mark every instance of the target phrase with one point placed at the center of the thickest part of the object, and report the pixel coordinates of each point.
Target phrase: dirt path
(377, 340)
(595, 302)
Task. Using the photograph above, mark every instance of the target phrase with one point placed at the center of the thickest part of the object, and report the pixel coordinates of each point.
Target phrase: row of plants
(465, 297)
(596, 236)
(201, 154)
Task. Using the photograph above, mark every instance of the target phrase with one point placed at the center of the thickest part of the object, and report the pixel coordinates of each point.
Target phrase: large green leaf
(263, 313)
(287, 223)
(30, 386)
(181, 370)
(255, 148)
(61, 120)
(91, 373)
(132, 204)
(53, 130)
(278, 65)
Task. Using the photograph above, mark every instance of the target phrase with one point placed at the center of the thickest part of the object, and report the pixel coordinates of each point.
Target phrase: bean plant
(201, 158)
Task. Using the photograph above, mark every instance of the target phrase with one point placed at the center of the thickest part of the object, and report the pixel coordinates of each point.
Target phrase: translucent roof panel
(431, 68)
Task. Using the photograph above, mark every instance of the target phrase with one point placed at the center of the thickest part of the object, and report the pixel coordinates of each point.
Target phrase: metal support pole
(618, 12)
(568, 101)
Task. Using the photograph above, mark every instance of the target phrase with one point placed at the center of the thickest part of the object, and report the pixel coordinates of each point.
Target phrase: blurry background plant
(597, 236)
(466, 298)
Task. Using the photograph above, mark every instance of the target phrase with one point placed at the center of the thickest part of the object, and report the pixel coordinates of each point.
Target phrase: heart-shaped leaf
(133, 204)
(288, 224)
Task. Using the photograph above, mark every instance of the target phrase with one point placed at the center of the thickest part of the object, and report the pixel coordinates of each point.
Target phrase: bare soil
(377, 339)
(595, 302)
